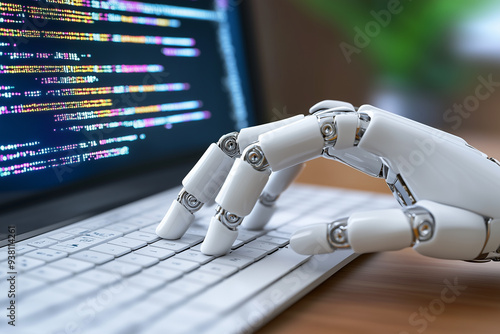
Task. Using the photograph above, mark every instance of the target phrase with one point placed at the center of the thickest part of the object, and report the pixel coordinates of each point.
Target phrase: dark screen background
(53, 142)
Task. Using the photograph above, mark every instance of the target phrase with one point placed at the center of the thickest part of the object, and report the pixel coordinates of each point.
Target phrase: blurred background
(437, 62)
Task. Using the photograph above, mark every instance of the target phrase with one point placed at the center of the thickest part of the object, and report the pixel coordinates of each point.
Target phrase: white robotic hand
(447, 189)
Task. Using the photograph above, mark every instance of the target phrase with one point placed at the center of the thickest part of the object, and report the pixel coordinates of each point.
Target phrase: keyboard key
(200, 231)
(23, 249)
(140, 260)
(234, 260)
(60, 236)
(136, 314)
(179, 264)
(121, 268)
(157, 252)
(174, 245)
(77, 244)
(165, 297)
(149, 229)
(28, 284)
(166, 274)
(181, 320)
(246, 235)
(110, 249)
(279, 234)
(185, 287)
(237, 243)
(280, 242)
(244, 283)
(123, 227)
(75, 266)
(144, 236)
(147, 283)
(191, 239)
(202, 277)
(127, 242)
(95, 224)
(77, 230)
(266, 246)
(99, 277)
(104, 234)
(47, 255)
(42, 242)
(219, 269)
(43, 301)
(252, 253)
(140, 221)
(48, 274)
(27, 263)
(77, 287)
(195, 256)
(154, 216)
(196, 248)
(92, 256)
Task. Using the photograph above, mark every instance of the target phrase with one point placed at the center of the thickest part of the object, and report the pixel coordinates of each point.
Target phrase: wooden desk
(398, 292)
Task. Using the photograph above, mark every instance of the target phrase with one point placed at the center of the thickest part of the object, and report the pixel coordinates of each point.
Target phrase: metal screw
(230, 145)
(254, 156)
(232, 218)
(424, 230)
(327, 129)
(338, 235)
(193, 201)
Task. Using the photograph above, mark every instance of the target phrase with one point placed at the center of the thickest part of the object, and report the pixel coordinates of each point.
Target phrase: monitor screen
(89, 89)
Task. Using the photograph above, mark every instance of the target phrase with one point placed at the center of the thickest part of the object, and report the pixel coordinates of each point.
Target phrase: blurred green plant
(413, 48)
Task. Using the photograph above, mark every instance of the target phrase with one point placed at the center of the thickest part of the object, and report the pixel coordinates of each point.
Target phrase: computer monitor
(96, 92)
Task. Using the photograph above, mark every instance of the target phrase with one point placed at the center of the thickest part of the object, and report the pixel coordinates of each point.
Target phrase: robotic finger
(432, 229)
(266, 205)
(203, 182)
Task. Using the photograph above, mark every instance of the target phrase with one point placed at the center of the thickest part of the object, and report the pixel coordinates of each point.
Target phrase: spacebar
(242, 285)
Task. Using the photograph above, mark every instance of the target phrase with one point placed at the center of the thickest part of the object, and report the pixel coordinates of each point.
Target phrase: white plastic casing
(175, 223)
(435, 165)
(207, 176)
(242, 188)
(458, 234)
(278, 182)
(347, 125)
(293, 143)
(311, 240)
(381, 230)
(219, 239)
(281, 180)
(329, 104)
(259, 217)
(250, 135)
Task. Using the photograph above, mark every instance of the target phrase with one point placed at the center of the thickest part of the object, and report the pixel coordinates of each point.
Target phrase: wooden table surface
(400, 292)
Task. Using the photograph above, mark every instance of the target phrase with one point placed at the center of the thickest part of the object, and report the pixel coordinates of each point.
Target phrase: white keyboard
(112, 274)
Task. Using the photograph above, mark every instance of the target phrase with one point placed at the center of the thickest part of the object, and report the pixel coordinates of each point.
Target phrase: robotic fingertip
(175, 223)
(219, 239)
(311, 240)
